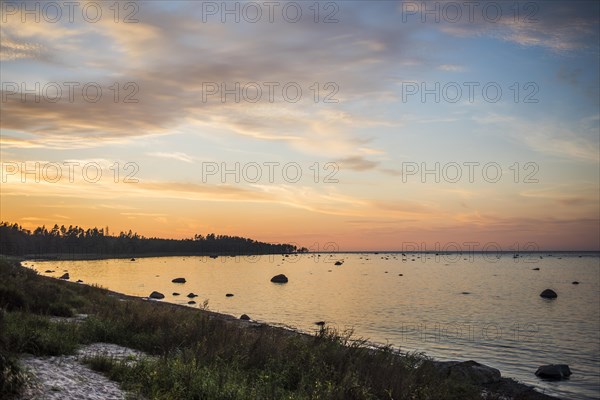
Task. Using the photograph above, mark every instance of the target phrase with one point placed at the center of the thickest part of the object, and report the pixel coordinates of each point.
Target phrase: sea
(450, 306)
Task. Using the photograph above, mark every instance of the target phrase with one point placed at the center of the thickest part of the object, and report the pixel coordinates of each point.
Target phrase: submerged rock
(179, 280)
(553, 371)
(65, 276)
(156, 295)
(281, 278)
(548, 294)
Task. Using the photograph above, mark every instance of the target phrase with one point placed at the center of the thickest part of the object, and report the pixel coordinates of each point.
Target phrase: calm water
(501, 322)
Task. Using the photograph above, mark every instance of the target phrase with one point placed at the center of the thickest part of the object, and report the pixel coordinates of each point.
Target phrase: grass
(198, 355)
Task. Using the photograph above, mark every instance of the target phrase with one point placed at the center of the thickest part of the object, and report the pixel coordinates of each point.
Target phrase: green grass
(199, 356)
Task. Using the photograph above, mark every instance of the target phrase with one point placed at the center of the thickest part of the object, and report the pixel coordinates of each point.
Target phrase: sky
(334, 125)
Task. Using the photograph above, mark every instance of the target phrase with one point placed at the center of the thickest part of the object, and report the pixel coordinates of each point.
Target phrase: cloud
(357, 163)
(174, 156)
(560, 26)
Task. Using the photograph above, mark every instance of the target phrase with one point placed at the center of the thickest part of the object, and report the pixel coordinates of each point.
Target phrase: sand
(66, 377)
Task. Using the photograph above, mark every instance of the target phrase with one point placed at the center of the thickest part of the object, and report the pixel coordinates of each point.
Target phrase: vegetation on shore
(200, 355)
(76, 241)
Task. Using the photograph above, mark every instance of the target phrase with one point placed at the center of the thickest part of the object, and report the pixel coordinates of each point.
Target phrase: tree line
(15, 240)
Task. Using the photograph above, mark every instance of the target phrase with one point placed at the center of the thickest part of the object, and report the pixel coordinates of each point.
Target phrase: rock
(470, 371)
(466, 292)
(179, 280)
(133, 259)
(79, 281)
(338, 263)
(192, 295)
(156, 295)
(229, 295)
(245, 317)
(191, 302)
(65, 276)
(548, 294)
(535, 269)
(553, 371)
(175, 294)
(400, 274)
(320, 323)
(279, 279)
(49, 271)
(575, 283)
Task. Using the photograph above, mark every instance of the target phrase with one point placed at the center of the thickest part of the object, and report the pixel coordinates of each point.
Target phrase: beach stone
(469, 371)
(245, 317)
(548, 294)
(156, 295)
(281, 278)
(553, 371)
(179, 280)
(192, 295)
(65, 276)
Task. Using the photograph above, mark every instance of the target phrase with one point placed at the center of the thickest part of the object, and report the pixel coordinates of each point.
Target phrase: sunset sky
(344, 168)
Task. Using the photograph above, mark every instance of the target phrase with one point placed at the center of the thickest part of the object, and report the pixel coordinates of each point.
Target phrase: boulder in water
(281, 278)
(553, 371)
(548, 294)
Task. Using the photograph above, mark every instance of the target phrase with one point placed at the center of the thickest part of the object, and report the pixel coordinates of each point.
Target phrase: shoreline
(500, 388)
(506, 386)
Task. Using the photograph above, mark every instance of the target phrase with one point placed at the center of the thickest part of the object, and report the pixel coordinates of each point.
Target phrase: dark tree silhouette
(14, 240)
